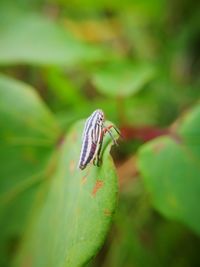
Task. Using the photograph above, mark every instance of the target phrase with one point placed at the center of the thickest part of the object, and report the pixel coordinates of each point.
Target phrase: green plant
(139, 62)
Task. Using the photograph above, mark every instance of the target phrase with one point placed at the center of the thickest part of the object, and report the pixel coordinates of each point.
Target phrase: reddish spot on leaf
(96, 188)
(72, 166)
(158, 147)
(107, 212)
(60, 141)
(83, 180)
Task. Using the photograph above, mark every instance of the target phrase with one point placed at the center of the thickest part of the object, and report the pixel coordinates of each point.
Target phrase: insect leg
(107, 129)
(112, 126)
(94, 161)
(99, 159)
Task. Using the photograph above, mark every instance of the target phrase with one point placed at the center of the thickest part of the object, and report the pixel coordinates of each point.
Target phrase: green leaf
(70, 226)
(33, 39)
(63, 88)
(170, 168)
(122, 78)
(69, 210)
(28, 133)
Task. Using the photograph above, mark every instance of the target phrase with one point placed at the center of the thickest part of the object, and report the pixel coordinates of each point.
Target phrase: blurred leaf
(122, 78)
(170, 167)
(34, 39)
(26, 127)
(71, 225)
(141, 237)
(151, 8)
(73, 209)
(64, 89)
(28, 133)
(67, 118)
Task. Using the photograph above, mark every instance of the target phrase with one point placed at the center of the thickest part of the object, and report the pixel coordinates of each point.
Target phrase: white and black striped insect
(92, 139)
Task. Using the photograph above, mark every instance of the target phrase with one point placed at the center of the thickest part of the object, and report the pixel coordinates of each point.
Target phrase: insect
(92, 139)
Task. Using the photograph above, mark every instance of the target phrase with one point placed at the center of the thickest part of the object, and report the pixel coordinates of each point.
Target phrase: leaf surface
(171, 170)
(69, 211)
(28, 133)
(33, 39)
(122, 78)
(72, 223)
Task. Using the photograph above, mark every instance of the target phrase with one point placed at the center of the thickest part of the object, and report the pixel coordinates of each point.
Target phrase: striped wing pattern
(91, 138)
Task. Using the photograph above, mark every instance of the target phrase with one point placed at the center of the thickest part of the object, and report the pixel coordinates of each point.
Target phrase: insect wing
(91, 138)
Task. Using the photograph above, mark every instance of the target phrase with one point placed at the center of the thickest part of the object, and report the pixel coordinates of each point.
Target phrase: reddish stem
(144, 133)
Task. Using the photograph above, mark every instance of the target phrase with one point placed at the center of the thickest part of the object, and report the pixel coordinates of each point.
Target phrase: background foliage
(139, 61)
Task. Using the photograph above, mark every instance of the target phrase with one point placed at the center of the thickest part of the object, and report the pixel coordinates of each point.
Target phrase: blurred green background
(139, 61)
